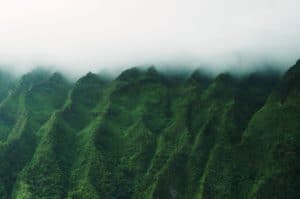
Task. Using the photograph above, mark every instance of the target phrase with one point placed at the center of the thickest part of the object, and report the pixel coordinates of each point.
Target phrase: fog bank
(80, 36)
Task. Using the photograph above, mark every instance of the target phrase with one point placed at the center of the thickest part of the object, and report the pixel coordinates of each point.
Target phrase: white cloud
(79, 36)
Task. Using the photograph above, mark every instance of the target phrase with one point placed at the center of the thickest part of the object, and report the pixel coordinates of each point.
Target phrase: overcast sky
(92, 35)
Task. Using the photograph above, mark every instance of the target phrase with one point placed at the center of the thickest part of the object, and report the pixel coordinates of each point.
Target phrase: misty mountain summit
(148, 134)
(209, 107)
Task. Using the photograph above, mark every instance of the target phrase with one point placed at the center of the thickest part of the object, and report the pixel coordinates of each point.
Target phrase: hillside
(150, 135)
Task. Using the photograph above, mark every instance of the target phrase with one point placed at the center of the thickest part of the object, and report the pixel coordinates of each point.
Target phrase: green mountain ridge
(149, 135)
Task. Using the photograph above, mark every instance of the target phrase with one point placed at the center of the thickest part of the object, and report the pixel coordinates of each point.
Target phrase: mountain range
(146, 134)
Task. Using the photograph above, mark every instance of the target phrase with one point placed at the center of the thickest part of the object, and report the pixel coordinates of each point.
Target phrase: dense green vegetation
(149, 135)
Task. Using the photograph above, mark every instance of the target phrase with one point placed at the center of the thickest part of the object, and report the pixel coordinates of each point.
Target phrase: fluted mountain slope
(150, 135)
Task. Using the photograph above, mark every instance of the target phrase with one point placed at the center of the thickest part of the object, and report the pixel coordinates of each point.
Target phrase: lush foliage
(148, 135)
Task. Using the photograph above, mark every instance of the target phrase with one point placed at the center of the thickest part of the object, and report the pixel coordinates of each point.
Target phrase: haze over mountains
(77, 36)
(145, 134)
(211, 111)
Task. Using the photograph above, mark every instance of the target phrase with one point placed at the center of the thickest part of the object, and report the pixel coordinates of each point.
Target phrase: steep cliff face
(148, 135)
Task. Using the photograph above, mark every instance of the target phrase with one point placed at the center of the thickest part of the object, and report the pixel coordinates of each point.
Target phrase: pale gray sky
(91, 35)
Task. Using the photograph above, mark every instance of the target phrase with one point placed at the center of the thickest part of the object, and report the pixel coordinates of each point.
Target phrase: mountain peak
(57, 77)
(289, 82)
(89, 78)
(90, 75)
(200, 77)
(129, 74)
(151, 70)
(33, 77)
(224, 78)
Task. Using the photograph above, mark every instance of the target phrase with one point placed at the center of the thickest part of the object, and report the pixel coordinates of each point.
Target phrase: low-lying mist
(75, 37)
